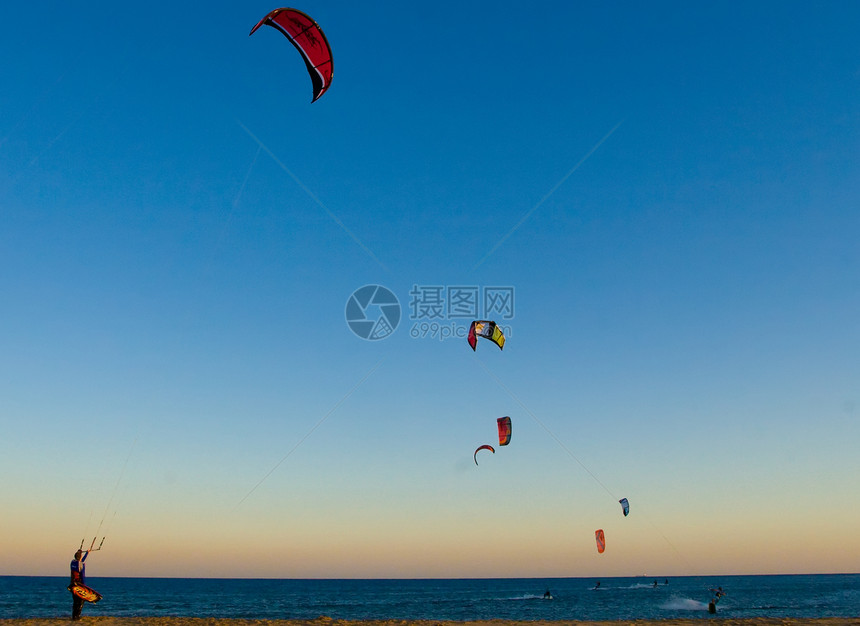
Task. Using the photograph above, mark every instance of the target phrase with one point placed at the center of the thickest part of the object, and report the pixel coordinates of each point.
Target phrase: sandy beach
(325, 621)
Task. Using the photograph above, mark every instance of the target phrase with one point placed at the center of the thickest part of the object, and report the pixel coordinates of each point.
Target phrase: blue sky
(182, 230)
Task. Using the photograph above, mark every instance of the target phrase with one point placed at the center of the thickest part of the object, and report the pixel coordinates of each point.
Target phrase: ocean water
(834, 595)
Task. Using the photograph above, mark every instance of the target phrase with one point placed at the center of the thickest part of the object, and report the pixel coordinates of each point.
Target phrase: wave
(684, 604)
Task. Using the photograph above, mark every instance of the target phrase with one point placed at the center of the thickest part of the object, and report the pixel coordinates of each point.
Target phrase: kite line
(110, 501)
(547, 195)
(310, 432)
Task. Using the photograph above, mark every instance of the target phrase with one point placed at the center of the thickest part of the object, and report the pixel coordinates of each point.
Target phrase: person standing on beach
(79, 577)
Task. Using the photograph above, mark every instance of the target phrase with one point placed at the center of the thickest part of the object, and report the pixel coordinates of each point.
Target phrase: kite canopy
(601, 540)
(307, 36)
(625, 506)
(504, 424)
(484, 447)
(487, 330)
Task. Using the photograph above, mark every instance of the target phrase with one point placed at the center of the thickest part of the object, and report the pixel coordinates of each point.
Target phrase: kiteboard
(84, 592)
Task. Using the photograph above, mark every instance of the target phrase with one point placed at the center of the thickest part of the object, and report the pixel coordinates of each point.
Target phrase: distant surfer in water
(597, 585)
(547, 595)
(79, 577)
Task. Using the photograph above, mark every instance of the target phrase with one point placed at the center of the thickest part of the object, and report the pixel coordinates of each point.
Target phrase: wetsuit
(79, 576)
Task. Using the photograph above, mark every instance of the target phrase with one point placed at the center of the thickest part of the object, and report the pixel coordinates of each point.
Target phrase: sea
(786, 596)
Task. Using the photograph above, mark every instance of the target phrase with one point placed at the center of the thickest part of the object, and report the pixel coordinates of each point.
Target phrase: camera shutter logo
(373, 312)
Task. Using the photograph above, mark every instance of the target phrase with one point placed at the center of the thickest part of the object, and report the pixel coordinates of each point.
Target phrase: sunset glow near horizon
(667, 193)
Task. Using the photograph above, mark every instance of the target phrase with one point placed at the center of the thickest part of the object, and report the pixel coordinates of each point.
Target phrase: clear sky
(669, 191)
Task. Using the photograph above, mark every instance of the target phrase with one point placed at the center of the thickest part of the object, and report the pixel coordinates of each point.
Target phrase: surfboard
(84, 592)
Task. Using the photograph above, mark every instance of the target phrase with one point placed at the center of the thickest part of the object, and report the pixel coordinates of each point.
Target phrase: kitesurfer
(547, 595)
(597, 585)
(718, 593)
(79, 577)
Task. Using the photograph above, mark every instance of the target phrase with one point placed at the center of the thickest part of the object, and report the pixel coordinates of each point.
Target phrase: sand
(327, 621)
